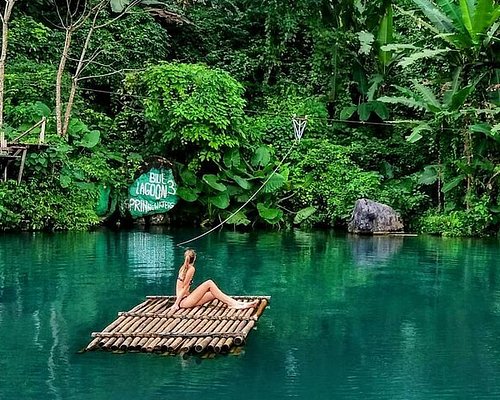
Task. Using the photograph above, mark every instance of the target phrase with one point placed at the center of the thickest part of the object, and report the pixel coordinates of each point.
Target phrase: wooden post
(41, 138)
(21, 167)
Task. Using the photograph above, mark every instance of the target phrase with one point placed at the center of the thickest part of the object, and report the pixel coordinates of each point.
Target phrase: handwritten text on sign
(153, 193)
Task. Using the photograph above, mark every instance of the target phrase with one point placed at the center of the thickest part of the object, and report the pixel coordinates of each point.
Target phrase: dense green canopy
(402, 102)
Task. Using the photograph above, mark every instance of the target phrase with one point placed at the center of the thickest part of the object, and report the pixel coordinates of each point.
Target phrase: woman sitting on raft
(204, 293)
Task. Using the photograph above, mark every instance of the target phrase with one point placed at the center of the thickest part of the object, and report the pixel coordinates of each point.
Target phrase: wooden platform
(152, 327)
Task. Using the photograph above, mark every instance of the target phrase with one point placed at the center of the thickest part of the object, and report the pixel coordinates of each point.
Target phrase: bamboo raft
(152, 326)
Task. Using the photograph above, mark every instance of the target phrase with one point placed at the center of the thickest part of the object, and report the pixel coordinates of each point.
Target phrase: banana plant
(422, 98)
(369, 85)
(465, 24)
(439, 116)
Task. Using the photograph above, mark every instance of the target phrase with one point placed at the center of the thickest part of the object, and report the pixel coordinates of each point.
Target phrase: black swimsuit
(190, 283)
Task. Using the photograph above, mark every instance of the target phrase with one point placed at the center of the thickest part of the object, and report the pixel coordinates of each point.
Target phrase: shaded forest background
(401, 97)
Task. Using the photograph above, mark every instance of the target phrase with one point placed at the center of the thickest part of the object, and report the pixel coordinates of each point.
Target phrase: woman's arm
(186, 283)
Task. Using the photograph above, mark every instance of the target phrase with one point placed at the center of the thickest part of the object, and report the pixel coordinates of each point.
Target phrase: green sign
(152, 193)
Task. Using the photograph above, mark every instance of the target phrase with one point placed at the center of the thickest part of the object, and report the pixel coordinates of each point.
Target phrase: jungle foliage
(402, 101)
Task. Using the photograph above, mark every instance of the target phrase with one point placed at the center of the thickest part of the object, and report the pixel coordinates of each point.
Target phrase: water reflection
(350, 318)
(150, 256)
(374, 251)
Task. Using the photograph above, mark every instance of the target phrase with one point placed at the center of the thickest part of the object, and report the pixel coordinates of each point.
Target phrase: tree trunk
(3, 57)
(60, 72)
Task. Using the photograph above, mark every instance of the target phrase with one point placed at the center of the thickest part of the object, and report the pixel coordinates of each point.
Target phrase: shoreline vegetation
(402, 108)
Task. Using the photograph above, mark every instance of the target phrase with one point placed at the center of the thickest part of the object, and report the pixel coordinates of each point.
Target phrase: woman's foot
(240, 305)
(175, 308)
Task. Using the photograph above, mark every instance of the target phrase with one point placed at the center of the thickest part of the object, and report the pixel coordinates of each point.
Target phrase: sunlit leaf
(452, 184)
(187, 194)
(212, 181)
(303, 214)
(275, 182)
(221, 200)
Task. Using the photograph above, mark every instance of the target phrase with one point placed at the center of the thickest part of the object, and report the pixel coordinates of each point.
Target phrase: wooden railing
(14, 150)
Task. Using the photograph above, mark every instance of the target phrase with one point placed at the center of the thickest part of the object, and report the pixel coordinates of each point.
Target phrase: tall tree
(5, 17)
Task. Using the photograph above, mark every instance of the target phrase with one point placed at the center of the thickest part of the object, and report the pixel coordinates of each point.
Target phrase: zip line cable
(299, 125)
(275, 114)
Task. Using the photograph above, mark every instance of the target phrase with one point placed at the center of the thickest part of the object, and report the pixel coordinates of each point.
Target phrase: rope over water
(299, 124)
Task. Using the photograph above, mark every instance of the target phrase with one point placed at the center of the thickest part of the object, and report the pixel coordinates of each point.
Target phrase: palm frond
(428, 97)
(467, 10)
(404, 101)
(425, 53)
(416, 132)
(452, 10)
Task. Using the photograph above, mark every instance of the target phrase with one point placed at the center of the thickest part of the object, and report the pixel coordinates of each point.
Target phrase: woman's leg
(208, 291)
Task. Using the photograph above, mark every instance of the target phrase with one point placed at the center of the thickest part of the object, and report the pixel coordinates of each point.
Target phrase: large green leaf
(118, 6)
(187, 194)
(385, 35)
(242, 182)
(459, 97)
(416, 132)
(375, 81)
(347, 112)
(303, 214)
(419, 55)
(239, 219)
(467, 10)
(402, 100)
(90, 139)
(380, 109)
(212, 181)
(261, 157)
(429, 175)
(481, 128)
(365, 40)
(439, 20)
(364, 111)
(452, 184)
(452, 10)
(275, 182)
(271, 215)
(188, 177)
(427, 96)
(221, 200)
(232, 158)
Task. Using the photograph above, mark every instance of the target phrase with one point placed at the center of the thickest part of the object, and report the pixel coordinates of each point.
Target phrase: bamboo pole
(150, 328)
(161, 306)
(260, 309)
(227, 328)
(226, 346)
(217, 329)
(192, 328)
(136, 326)
(176, 342)
(203, 342)
(117, 343)
(143, 328)
(244, 333)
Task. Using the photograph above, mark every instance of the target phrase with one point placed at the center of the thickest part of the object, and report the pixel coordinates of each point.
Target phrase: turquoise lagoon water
(350, 317)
